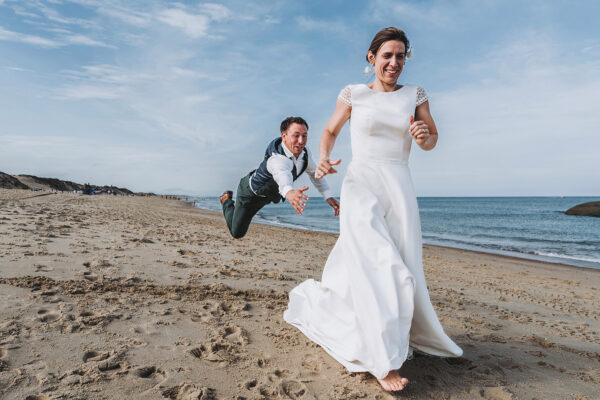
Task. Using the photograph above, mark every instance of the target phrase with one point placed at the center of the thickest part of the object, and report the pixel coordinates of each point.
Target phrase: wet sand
(107, 297)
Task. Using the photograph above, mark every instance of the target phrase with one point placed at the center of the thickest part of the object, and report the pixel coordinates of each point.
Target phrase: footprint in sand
(217, 309)
(103, 360)
(251, 384)
(312, 363)
(262, 362)
(89, 318)
(203, 317)
(189, 391)
(295, 390)
(90, 276)
(3, 364)
(93, 355)
(218, 353)
(149, 372)
(280, 385)
(234, 334)
(45, 315)
(497, 393)
(43, 268)
(99, 263)
(110, 364)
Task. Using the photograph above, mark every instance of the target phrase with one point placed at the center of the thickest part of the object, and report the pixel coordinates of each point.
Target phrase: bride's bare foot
(393, 382)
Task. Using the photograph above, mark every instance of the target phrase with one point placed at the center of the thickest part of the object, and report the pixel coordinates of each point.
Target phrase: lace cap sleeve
(345, 96)
(421, 96)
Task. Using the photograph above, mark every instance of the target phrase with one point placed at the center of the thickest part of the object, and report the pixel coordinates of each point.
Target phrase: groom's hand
(296, 199)
(335, 205)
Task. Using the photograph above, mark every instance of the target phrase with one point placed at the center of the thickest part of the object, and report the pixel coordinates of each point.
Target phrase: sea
(527, 227)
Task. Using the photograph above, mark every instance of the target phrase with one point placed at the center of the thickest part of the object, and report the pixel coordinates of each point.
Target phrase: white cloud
(326, 26)
(194, 25)
(81, 92)
(29, 39)
(183, 128)
(217, 12)
(194, 74)
(53, 15)
(110, 74)
(432, 13)
(23, 13)
(131, 17)
(269, 19)
(18, 69)
(104, 81)
(85, 41)
(592, 50)
(68, 38)
(169, 106)
(59, 30)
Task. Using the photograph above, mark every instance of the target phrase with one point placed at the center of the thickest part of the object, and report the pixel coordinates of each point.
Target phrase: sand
(107, 297)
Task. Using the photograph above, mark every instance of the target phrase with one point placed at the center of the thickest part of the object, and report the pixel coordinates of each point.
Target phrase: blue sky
(183, 97)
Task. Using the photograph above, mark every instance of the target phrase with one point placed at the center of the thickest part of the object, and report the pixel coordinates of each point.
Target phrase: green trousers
(238, 215)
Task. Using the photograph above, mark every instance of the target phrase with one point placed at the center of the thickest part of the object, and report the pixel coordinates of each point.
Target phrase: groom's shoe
(226, 196)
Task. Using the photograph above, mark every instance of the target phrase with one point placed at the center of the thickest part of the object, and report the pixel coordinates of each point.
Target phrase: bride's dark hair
(384, 35)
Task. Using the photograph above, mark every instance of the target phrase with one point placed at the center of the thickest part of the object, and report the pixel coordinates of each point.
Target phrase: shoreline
(514, 254)
(137, 297)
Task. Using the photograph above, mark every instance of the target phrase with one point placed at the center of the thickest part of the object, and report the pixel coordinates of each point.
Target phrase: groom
(286, 158)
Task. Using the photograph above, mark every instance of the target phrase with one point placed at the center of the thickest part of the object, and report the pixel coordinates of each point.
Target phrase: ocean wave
(534, 239)
(587, 259)
(277, 222)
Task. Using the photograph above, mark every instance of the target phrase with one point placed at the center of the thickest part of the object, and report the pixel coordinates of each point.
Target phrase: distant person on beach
(372, 306)
(286, 158)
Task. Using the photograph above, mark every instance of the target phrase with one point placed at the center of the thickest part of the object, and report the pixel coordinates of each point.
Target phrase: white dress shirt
(280, 167)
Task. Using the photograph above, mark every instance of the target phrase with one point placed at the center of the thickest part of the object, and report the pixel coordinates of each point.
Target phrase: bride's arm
(424, 131)
(330, 133)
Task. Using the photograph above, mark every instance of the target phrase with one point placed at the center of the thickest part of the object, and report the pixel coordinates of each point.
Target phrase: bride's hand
(326, 167)
(419, 130)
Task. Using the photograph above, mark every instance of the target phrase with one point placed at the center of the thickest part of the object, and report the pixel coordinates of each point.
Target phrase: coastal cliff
(36, 183)
(10, 182)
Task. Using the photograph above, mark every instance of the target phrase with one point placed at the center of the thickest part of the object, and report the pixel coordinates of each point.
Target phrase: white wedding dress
(372, 302)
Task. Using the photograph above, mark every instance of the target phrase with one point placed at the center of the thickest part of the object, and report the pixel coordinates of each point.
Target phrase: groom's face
(295, 138)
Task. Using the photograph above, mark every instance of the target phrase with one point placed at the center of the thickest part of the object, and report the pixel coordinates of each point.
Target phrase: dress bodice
(379, 122)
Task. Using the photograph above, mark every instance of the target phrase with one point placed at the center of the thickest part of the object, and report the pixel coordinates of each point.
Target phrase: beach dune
(110, 297)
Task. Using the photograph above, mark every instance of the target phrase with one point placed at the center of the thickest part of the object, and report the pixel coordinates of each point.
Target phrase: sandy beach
(110, 297)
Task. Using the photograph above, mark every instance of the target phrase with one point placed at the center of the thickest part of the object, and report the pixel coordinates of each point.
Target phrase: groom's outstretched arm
(281, 168)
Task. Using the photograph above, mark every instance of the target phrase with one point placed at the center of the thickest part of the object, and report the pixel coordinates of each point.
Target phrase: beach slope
(110, 297)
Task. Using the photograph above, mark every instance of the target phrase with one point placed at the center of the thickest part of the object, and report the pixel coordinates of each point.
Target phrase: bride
(372, 305)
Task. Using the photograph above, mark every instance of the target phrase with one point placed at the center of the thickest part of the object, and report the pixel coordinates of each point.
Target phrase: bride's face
(389, 61)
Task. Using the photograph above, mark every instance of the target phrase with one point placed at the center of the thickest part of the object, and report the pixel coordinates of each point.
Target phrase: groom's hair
(285, 124)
